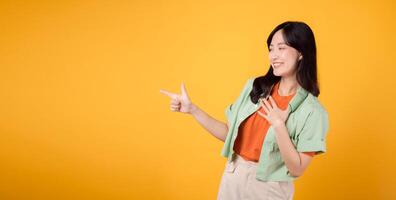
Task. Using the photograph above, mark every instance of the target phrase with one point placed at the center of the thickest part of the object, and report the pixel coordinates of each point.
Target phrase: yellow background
(81, 116)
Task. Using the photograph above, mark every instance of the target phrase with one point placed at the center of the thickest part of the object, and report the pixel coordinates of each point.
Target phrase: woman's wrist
(193, 109)
(278, 124)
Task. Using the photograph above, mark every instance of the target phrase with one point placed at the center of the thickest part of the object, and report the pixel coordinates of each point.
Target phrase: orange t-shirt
(252, 130)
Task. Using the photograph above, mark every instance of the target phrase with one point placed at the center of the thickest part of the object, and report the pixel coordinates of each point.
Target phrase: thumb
(183, 89)
(287, 111)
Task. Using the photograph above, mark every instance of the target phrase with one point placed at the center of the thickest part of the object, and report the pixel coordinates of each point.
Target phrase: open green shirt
(307, 124)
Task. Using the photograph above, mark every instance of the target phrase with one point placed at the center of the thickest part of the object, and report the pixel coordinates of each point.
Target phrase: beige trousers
(239, 183)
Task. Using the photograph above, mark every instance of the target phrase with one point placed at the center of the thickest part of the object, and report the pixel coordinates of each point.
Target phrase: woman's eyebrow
(278, 43)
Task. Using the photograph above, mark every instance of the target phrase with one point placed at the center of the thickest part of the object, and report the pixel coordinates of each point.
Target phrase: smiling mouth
(277, 64)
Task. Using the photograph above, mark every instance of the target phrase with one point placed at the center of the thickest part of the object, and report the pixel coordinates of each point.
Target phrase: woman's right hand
(180, 102)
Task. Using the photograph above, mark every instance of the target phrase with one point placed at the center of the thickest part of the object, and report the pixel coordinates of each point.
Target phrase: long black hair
(299, 36)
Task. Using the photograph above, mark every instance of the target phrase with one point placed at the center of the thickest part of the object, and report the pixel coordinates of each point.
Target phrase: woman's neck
(287, 86)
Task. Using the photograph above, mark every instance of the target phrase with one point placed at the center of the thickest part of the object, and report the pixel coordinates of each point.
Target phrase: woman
(277, 123)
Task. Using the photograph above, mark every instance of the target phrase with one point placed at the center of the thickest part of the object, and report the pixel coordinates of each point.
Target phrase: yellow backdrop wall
(81, 116)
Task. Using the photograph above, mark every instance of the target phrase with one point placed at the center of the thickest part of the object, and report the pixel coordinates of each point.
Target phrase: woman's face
(283, 58)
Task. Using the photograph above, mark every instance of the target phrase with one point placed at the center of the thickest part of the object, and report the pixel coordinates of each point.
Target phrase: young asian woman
(277, 124)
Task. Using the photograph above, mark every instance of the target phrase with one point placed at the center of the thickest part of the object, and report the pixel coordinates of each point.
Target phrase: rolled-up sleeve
(228, 111)
(312, 137)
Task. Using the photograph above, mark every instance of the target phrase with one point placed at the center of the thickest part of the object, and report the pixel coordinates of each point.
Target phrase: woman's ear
(300, 57)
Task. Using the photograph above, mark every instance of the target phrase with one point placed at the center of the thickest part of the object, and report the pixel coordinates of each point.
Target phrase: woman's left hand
(274, 115)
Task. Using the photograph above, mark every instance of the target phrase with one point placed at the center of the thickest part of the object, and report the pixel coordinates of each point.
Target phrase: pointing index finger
(169, 94)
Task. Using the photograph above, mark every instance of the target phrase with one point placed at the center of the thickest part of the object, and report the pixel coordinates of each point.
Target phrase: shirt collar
(298, 98)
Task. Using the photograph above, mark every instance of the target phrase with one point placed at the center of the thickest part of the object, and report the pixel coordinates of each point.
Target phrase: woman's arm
(295, 161)
(213, 126)
(182, 103)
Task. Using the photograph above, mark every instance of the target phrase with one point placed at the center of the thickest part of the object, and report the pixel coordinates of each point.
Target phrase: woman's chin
(277, 73)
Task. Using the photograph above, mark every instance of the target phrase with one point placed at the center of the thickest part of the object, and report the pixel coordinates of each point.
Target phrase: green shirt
(307, 125)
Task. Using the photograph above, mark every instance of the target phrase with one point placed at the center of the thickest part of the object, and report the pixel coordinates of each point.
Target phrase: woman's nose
(273, 56)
